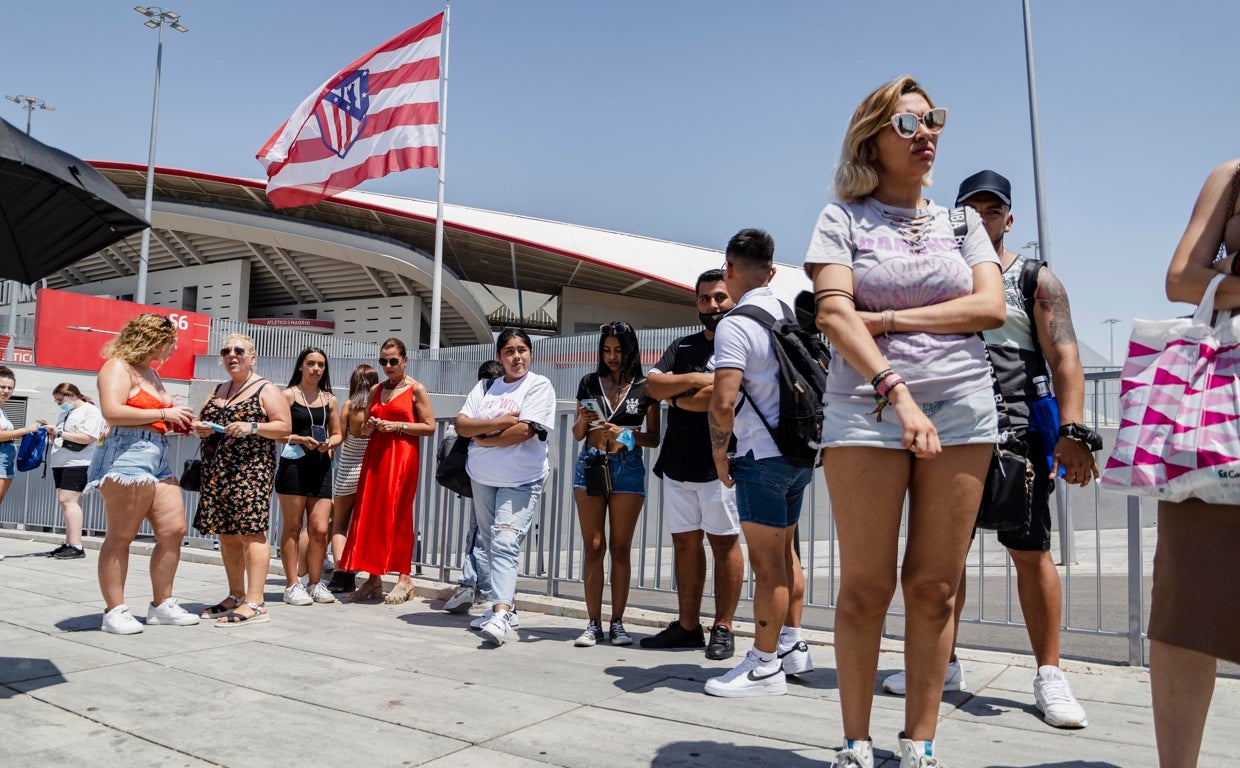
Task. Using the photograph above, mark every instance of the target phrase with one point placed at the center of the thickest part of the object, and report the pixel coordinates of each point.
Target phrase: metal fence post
(1136, 584)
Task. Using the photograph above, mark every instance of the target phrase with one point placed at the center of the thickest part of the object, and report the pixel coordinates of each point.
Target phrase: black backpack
(803, 359)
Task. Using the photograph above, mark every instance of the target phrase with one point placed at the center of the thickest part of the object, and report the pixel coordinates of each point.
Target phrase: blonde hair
(855, 174)
(142, 339)
(246, 342)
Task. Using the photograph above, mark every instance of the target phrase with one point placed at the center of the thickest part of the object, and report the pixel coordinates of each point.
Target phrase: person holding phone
(615, 418)
(304, 478)
(76, 436)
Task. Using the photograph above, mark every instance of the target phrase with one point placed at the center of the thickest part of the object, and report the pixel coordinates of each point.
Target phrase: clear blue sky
(688, 120)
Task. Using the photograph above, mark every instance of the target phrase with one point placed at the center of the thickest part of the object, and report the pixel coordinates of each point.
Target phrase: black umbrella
(54, 208)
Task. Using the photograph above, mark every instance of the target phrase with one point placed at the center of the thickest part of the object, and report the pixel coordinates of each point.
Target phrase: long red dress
(381, 529)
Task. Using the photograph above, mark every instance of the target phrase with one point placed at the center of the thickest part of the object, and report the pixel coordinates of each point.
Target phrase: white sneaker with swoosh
(748, 679)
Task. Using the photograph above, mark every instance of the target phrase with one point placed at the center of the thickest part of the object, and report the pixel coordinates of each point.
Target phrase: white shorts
(709, 507)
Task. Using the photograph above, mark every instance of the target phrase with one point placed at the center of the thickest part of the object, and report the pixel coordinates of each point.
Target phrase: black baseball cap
(985, 181)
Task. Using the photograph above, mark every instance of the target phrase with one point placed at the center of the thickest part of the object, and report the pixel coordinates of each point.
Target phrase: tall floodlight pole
(1111, 321)
(155, 19)
(1044, 238)
(30, 104)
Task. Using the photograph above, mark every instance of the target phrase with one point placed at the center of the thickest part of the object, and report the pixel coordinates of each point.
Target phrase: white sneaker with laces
(954, 681)
(1053, 697)
(795, 659)
(856, 754)
(461, 601)
(496, 627)
(514, 619)
(119, 621)
(169, 613)
(917, 754)
(749, 679)
(319, 593)
(297, 595)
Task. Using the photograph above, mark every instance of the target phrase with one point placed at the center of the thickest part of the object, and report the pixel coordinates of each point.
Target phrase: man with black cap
(1023, 348)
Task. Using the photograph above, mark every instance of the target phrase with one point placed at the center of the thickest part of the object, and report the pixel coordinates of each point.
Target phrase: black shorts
(69, 478)
(310, 476)
(1035, 534)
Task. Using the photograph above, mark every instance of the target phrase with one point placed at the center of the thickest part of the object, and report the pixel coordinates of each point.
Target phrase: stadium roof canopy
(313, 253)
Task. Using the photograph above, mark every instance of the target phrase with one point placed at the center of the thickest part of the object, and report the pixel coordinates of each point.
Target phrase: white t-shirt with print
(533, 397)
(891, 273)
(745, 344)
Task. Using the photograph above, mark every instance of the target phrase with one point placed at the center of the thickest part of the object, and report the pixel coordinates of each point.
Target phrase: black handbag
(73, 447)
(450, 465)
(1007, 494)
(598, 475)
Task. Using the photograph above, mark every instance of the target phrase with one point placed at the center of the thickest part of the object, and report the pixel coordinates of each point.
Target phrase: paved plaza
(408, 685)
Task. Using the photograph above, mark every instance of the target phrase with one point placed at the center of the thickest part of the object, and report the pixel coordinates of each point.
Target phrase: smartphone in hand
(593, 407)
(318, 433)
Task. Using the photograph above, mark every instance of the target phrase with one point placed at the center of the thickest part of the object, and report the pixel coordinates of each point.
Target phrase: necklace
(315, 393)
(231, 391)
(389, 384)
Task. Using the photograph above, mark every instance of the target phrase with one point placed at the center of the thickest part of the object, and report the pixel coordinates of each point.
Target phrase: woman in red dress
(381, 532)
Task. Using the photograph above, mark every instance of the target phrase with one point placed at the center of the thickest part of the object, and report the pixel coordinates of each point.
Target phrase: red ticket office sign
(70, 330)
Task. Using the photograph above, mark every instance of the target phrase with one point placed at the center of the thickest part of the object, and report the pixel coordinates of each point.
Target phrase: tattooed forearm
(719, 436)
(1052, 301)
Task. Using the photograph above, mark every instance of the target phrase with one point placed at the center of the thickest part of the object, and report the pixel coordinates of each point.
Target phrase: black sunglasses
(238, 351)
(386, 361)
(615, 329)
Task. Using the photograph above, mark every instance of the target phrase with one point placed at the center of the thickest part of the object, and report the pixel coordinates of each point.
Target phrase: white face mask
(66, 406)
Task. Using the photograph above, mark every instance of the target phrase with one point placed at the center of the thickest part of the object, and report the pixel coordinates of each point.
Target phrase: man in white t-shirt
(769, 489)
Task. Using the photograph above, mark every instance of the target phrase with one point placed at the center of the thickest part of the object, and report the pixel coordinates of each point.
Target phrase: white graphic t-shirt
(533, 397)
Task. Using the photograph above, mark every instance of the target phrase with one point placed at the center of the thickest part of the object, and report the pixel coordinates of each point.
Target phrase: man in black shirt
(694, 499)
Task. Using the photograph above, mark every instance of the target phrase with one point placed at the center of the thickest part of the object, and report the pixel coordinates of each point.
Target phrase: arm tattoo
(1052, 299)
(718, 437)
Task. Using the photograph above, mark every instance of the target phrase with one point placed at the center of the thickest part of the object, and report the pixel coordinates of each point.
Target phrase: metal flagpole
(437, 282)
(1044, 239)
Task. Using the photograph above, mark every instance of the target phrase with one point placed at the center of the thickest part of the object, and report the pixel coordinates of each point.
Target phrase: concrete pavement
(408, 685)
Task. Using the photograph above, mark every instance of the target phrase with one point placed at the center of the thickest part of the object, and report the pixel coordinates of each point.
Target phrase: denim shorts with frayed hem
(8, 460)
(769, 491)
(963, 420)
(628, 471)
(130, 456)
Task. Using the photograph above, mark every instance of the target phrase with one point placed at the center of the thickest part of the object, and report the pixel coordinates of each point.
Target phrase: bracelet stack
(883, 382)
(889, 321)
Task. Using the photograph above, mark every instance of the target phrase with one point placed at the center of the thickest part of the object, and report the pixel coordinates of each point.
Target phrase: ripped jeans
(504, 516)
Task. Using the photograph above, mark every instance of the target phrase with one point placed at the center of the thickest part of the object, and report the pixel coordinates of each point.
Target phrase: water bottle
(1044, 419)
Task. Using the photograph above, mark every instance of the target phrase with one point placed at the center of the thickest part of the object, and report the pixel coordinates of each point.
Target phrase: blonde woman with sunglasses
(909, 407)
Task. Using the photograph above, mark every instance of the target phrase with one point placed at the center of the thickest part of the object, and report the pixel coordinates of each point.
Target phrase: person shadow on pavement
(723, 755)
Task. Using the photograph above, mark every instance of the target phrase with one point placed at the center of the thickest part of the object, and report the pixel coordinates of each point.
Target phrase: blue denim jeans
(469, 564)
(504, 516)
(769, 491)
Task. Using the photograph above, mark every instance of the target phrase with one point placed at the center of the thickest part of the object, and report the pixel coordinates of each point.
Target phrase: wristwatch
(1083, 435)
(253, 427)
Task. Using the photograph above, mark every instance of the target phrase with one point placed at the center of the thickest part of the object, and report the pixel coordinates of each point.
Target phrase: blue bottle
(1044, 419)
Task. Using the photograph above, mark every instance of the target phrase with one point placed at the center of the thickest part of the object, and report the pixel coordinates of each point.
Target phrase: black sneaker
(618, 634)
(57, 550)
(342, 581)
(722, 643)
(66, 552)
(676, 636)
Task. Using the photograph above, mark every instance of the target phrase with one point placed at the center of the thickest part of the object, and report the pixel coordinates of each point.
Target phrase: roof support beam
(168, 244)
(189, 247)
(374, 278)
(122, 258)
(633, 286)
(302, 276)
(406, 284)
(116, 266)
(284, 283)
(73, 275)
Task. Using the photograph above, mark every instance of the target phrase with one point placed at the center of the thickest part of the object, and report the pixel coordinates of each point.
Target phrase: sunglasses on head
(905, 123)
(238, 351)
(389, 361)
(615, 329)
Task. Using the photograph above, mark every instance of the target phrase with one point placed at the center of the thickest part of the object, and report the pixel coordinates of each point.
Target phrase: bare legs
(691, 576)
(125, 507)
(1183, 685)
(246, 560)
(624, 509)
(317, 513)
(71, 510)
(342, 512)
(779, 584)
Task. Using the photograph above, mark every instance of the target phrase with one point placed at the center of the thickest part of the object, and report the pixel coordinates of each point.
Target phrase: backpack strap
(1028, 284)
(768, 321)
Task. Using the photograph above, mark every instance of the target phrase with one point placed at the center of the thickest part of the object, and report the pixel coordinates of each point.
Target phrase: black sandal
(234, 619)
(219, 609)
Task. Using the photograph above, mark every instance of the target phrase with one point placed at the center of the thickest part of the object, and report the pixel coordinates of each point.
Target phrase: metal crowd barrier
(1101, 575)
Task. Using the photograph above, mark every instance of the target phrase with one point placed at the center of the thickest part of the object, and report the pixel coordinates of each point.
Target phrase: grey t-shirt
(890, 272)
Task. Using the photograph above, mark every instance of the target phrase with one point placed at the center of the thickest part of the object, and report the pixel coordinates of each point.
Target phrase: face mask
(711, 321)
(66, 406)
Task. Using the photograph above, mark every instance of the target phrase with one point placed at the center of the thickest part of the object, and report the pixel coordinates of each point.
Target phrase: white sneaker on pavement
(855, 754)
(1053, 697)
(917, 754)
(169, 613)
(953, 682)
(496, 628)
(795, 660)
(319, 593)
(119, 621)
(461, 601)
(297, 595)
(514, 619)
(749, 679)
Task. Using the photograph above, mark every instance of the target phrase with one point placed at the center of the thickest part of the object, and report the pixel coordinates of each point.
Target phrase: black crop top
(631, 412)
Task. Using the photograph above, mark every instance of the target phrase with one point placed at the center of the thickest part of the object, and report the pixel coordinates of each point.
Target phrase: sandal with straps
(219, 609)
(400, 593)
(234, 619)
(368, 590)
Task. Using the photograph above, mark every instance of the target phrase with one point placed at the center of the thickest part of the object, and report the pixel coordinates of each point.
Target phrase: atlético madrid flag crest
(377, 116)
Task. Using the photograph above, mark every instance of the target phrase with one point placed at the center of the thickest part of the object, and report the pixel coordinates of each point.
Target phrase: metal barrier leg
(1067, 535)
(1136, 584)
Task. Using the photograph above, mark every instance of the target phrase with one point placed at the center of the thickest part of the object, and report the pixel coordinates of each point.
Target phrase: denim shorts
(628, 471)
(963, 420)
(130, 455)
(769, 491)
(8, 460)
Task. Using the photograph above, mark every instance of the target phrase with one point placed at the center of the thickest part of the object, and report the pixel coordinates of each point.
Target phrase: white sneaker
(169, 613)
(119, 621)
(1053, 697)
(746, 680)
(917, 754)
(590, 636)
(461, 601)
(795, 660)
(514, 620)
(297, 595)
(953, 682)
(319, 593)
(496, 628)
(856, 754)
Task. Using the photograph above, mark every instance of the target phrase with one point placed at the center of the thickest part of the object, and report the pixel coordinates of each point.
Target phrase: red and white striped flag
(377, 116)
